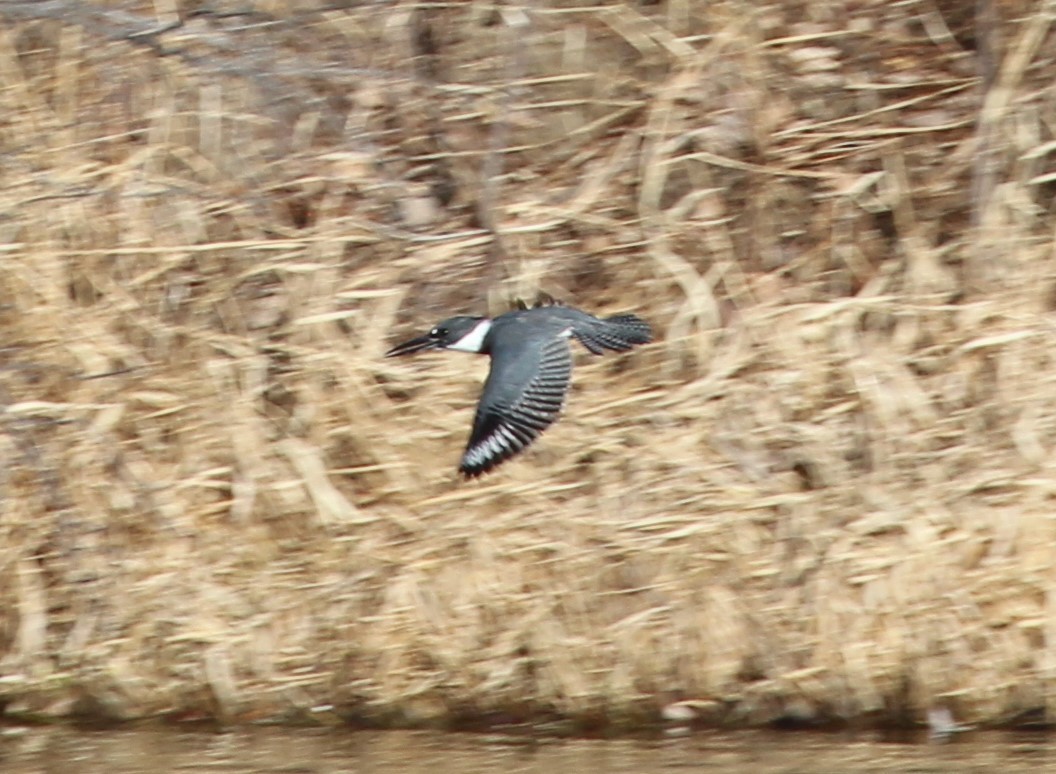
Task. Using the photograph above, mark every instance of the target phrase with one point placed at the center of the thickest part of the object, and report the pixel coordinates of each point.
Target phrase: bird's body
(531, 366)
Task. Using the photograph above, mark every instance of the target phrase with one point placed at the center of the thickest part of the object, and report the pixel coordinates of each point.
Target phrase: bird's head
(461, 333)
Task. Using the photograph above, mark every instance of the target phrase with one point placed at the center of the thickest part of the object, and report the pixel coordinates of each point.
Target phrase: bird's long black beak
(420, 344)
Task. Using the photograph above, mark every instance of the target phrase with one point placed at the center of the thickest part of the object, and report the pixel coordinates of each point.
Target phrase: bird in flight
(531, 365)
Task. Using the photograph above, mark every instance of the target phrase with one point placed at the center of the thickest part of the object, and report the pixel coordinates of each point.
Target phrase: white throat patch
(474, 340)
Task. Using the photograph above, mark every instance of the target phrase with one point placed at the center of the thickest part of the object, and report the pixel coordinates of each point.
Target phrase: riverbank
(825, 494)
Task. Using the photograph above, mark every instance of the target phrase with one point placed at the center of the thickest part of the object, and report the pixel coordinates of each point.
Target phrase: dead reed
(826, 492)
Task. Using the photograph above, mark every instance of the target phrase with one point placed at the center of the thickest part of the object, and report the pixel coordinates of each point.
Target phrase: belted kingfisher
(531, 365)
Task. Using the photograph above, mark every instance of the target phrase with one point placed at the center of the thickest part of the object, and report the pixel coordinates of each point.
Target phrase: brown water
(299, 751)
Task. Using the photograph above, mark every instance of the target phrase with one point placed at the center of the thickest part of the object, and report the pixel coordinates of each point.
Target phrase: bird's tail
(619, 332)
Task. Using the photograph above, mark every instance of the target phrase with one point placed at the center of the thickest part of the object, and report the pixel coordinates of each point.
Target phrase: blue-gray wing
(523, 395)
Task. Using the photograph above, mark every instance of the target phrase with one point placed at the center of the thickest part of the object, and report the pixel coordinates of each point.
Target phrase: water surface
(314, 751)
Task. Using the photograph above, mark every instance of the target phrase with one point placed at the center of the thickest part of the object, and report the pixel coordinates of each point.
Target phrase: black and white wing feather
(523, 395)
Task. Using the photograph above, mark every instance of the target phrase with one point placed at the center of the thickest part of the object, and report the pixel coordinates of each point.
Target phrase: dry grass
(826, 492)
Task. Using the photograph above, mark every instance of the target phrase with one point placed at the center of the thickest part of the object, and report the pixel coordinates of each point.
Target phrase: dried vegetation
(826, 492)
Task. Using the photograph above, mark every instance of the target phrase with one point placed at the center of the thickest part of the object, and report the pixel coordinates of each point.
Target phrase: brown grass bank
(826, 492)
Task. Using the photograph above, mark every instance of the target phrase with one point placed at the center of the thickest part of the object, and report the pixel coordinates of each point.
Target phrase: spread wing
(522, 397)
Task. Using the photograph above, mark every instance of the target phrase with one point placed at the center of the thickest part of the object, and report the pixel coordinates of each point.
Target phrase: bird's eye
(438, 332)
